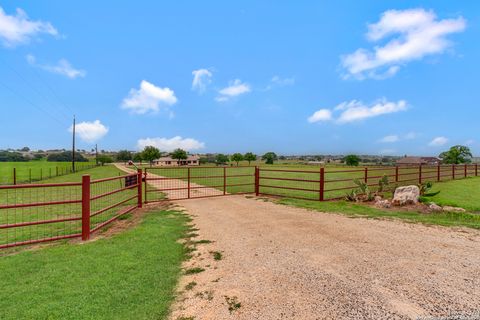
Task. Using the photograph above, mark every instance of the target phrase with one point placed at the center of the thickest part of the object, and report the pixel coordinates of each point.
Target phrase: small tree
(269, 157)
(237, 157)
(352, 160)
(150, 153)
(221, 159)
(124, 155)
(457, 154)
(179, 154)
(249, 157)
(102, 159)
(137, 157)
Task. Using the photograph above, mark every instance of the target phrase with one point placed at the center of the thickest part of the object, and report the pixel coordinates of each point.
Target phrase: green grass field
(131, 275)
(34, 195)
(36, 170)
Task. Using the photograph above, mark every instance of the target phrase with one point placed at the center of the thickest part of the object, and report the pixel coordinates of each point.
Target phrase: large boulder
(406, 195)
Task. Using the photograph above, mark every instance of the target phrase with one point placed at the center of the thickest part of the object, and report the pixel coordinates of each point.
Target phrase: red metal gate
(178, 183)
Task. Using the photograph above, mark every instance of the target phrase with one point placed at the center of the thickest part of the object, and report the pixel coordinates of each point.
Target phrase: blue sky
(369, 77)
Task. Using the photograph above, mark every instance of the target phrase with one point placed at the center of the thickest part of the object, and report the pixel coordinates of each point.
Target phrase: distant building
(432, 161)
(169, 162)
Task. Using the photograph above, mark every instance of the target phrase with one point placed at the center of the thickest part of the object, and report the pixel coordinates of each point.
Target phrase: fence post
(438, 172)
(56, 170)
(366, 175)
(465, 170)
(476, 169)
(396, 174)
(453, 171)
(85, 207)
(321, 190)
(30, 175)
(224, 180)
(420, 174)
(139, 188)
(146, 186)
(14, 176)
(188, 185)
(257, 181)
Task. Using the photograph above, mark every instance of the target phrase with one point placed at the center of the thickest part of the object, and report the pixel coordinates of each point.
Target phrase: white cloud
(320, 115)
(278, 81)
(354, 110)
(90, 131)
(201, 79)
(234, 89)
(390, 139)
(18, 29)
(438, 141)
(63, 67)
(168, 145)
(413, 33)
(357, 111)
(410, 136)
(470, 142)
(148, 98)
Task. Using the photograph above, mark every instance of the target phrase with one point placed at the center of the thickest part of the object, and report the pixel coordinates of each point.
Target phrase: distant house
(432, 161)
(169, 162)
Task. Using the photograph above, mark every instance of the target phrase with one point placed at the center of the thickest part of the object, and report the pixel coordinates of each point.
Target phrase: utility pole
(96, 154)
(73, 145)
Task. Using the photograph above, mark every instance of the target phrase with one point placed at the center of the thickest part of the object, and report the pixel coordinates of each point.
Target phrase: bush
(7, 156)
(66, 156)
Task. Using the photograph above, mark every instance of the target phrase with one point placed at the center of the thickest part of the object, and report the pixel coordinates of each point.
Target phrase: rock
(406, 195)
(377, 198)
(434, 207)
(383, 204)
(453, 209)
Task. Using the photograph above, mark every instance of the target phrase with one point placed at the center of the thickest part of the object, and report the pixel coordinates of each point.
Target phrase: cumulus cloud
(412, 34)
(165, 144)
(390, 139)
(320, 115)
(148, 98)
(235, 88)
(201, 79)
(438, 141)
(278, 81)
(63, 67)
(19, 29)
(90, 131)
(354, 110)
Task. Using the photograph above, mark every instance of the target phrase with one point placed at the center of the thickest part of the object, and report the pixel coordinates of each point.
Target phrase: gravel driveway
(280, 262)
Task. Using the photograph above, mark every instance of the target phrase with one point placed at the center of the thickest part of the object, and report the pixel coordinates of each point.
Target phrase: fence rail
(35, 213)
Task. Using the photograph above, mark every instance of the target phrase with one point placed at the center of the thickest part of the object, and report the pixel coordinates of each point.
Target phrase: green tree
(179, 154)
(249, 156)
(352, 160)
(221, 159)
(457, 154)
(269, 157)
(150, 153)
(236, 157)
(137, 157)
(124, 155)
(102, 159)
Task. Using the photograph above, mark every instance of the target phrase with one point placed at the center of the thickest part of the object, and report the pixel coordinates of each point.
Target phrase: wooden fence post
(224, 180)
(453, 171)
(14, 176)
(322, 184)
(85, 207)
(366, 175)
(188, 183)
(139, 188)
(420, 174)
(465, 170)
(438, 172)
(257, 181)
(476, 169)
(396, 174)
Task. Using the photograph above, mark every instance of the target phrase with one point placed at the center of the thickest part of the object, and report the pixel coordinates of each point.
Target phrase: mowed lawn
(73, 210)
(36, 170)
(464, 193)
(131, 275)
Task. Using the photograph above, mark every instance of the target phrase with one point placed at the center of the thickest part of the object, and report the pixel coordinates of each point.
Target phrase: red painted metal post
(438, 172)
(188, 184)
(139, 188)
(453, 171)
(465, 170)
(257, 181)
(321, 192)
(85, 207)
(146, 185)
(366, 175)
(420, 174)
(224, 180)
(14, 176)
(396, 174)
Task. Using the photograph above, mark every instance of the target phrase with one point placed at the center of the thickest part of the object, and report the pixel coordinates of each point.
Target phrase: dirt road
(280, 262)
